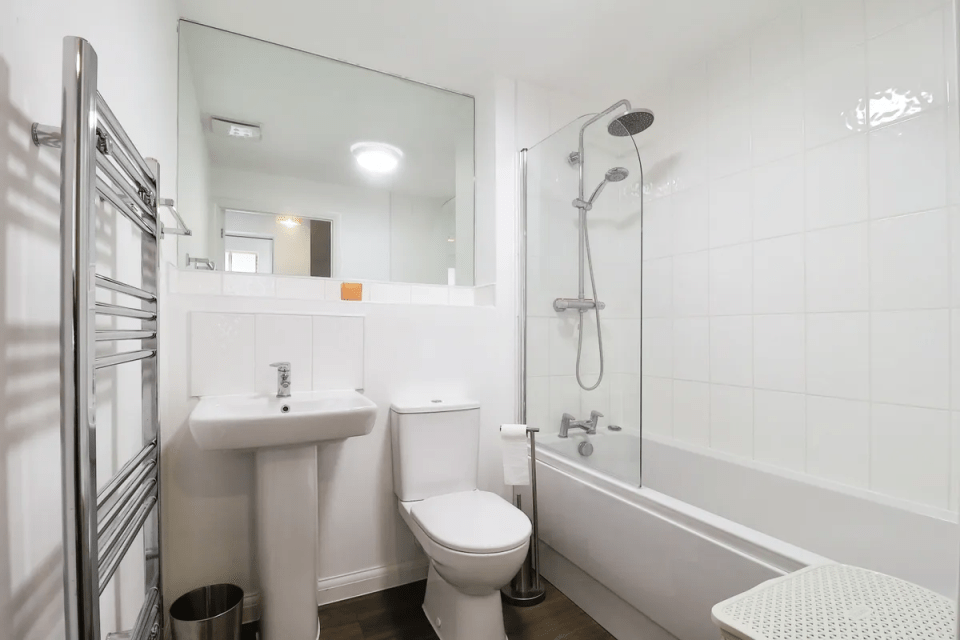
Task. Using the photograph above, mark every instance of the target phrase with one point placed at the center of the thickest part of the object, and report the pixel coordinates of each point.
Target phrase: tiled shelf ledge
(218, 283)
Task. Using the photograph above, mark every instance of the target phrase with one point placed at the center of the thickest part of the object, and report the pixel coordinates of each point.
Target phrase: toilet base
(455, 615)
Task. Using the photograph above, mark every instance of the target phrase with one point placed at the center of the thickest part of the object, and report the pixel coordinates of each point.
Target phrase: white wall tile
(776, 121)
(621, 344)
(731, 350)
(908, 166)
(731, 280)
(598, 400)
(657, 407)
(338, 354)
(779, 352)
(691, 412)
(909, 259)
(731, 420)
(564, 398)
(729, 74)
(731, 213)
(192, 281)
(657, 288)
(657, 229)
(910, 358)
(838, 269)
(954, 457)
(691, 349)
(425, 294)
(838, 355)
(301, 288)
(538, 346)
(776, 49)
(955, 362)
(332, 289)
(389, 292)
(657, 347)
(905, 70)
(691, 284)
(910, 454)
(831, 27)
(248, 285)
(222, 353)
(778, 198)
(955, 257)
(562, 344)
(835, 98)
(837, 183)
(284, 338)
(690, 220)
(730, 147)
(462, 296)
(778, 280)
(538, 403)
(883, 15)
(838, 440)
(779, 428)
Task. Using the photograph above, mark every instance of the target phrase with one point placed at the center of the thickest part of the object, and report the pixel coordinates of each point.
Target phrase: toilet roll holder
(526, 588)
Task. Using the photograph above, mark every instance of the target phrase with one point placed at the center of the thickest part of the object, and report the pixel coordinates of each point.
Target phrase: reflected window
(242, 261)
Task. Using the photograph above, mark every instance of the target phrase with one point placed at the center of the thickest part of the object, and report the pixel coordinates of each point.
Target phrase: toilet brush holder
(526, 588)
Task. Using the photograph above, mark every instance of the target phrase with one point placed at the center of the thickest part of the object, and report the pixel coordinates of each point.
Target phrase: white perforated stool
(836, 602)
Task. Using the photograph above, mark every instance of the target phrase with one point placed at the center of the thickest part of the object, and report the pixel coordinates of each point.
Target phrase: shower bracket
(579, 304)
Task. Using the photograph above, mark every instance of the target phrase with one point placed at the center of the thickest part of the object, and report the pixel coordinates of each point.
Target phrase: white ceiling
(311, 111)
(603, 47)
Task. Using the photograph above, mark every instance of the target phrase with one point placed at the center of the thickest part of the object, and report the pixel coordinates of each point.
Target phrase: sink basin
(256, 422)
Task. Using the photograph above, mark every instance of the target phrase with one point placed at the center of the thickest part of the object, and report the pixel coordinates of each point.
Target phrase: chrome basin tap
(568, 422)
(283, 379)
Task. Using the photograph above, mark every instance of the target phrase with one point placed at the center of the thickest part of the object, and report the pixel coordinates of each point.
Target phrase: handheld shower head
(617, 174)
(631, 123)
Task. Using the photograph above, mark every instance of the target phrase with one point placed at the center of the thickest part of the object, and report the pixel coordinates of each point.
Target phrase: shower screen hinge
(562, 304)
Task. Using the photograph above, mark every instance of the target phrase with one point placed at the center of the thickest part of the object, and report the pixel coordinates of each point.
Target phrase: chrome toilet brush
(526, 588)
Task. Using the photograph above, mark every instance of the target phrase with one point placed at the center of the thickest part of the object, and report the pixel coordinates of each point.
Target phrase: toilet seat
(477, 522)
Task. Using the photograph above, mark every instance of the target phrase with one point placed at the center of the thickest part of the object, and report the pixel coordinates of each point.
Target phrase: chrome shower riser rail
(94, 541)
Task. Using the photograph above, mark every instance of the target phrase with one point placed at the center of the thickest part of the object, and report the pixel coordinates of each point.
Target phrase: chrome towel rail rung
(111, 196)
(111, 336)
(147, 616)
(107, 544)
(105, 116)
(108, 146)
(145, 476)
(123, 185)
(123, 358)
(107, 309)
(110, 564)
(117, 481)
(105, 282)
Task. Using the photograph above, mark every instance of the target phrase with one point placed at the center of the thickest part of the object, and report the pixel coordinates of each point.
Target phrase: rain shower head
(631, 123)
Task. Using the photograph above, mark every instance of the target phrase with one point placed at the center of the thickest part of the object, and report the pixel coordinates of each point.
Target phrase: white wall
(801, 253)
(138, 41)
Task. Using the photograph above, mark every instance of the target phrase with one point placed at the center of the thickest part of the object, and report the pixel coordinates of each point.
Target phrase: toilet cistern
(283, 379)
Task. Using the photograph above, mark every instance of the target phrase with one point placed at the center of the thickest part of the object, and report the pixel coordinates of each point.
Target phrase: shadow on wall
(31, 596)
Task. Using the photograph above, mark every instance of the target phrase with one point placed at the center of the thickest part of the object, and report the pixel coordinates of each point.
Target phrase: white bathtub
(666, 559)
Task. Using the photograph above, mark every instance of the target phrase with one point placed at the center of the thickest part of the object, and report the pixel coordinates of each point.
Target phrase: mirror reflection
(295, 164)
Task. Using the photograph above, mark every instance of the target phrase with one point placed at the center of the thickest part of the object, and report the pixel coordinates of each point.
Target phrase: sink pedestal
(287, 515)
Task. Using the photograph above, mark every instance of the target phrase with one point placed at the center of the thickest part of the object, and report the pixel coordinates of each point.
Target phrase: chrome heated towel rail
(99, 161)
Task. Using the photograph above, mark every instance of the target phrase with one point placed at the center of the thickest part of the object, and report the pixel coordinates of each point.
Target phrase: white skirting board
(251, 607)
(607, 608)
(358, 583)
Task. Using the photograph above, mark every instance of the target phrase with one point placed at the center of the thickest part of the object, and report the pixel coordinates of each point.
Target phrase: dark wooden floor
(395, 614)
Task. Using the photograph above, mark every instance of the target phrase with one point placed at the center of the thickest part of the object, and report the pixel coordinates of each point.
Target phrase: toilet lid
(472, 522)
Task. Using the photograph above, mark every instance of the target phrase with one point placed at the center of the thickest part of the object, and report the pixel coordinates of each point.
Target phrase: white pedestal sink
(283, 434)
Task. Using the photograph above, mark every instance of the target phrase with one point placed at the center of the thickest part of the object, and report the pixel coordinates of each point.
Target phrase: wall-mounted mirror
(296, 164)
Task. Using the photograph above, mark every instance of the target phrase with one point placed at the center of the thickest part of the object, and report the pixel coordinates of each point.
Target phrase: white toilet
(476, 540)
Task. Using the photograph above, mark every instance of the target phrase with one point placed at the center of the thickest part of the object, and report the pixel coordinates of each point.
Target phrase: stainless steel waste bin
(213, 612)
